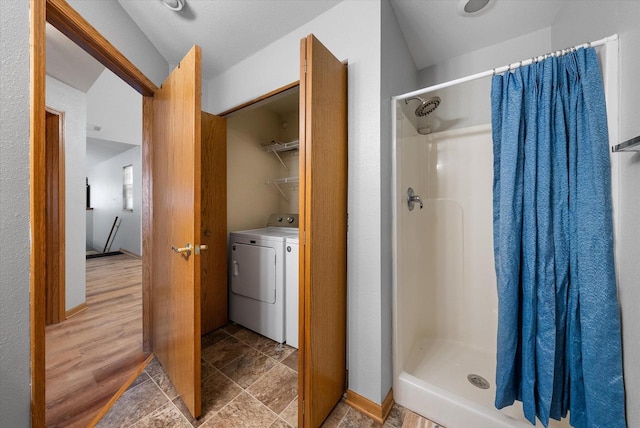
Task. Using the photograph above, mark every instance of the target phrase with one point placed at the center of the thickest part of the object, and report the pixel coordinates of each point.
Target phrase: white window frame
(127, 188)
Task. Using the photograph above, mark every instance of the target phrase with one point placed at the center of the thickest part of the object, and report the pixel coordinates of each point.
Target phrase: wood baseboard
(379, 412)
(121, 391)
(76, 310)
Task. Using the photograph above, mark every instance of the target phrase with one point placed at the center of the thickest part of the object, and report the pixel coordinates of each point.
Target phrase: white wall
(592, 21)
(14, 214)
(351, 30)
(398, 75)
(469, 104)
(117, 108)
(73, 103)
(106, 200)
(250, 200)
(111, 20)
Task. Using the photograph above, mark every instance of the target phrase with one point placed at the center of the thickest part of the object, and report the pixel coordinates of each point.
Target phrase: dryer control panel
(283, 220)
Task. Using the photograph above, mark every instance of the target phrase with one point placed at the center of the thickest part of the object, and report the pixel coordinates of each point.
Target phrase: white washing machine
(257, 275)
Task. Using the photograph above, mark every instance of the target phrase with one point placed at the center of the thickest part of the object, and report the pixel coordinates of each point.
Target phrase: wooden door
(55, 214)
(214, 223)
(323, 232)
(176, 225)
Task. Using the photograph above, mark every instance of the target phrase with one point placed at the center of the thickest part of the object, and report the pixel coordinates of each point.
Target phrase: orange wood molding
(379, 412)
(75, 27)
(76, 310)
(260, 98)
(37, 211)
(121, 391)
(147, 222)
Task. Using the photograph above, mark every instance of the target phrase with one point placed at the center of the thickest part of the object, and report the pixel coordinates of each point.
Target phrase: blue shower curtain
(559, 345)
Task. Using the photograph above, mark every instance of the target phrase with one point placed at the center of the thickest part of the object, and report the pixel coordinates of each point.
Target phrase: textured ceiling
(230, 30)
(227, 30)
(435, 31)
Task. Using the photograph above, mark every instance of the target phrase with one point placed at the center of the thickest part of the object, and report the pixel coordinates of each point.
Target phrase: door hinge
(303, 407)
(305, 66)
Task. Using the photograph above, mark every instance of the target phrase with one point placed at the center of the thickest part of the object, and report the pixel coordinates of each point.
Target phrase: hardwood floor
(91, 355)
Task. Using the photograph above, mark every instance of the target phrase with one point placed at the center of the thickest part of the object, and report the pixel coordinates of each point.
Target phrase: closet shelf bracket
(280, 159)
(276, 147)
(278, 182)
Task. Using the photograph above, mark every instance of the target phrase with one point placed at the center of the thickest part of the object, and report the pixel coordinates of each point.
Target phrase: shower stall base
(435, 385)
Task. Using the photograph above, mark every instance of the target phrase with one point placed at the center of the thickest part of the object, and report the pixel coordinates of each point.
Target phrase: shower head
(426, 106)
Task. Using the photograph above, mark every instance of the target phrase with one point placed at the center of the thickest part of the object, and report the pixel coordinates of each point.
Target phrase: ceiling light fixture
(175, 5)
(473, 7)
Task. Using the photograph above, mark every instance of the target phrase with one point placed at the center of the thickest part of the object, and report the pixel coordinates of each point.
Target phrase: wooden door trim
(74, 26)
(37, 209)
(55, 172)
(147, 222)
(303, 403)
(70, 23)
(259, 99)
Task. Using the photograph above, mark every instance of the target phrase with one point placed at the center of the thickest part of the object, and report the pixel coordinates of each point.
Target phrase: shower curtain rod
(502, 69)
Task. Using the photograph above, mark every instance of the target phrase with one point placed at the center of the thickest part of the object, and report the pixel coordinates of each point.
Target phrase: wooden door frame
(75, 27)
(55, 173)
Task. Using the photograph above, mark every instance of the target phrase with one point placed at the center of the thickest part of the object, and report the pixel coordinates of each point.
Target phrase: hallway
(92, 354)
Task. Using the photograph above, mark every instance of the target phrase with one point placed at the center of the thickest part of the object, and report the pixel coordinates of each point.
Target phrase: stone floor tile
(167, 416)
(225, 351)
(290, 413)
(355, 419)
(336, 415)
(396, 416)
(292, 361)
(213, 338)
(248, 368)
(243, 411)
(134, 405)
(277, 388)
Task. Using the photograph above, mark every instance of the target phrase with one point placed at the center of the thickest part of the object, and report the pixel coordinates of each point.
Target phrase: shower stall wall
(446, 308)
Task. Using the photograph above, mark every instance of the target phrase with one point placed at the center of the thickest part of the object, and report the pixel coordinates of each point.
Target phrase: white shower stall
(445, 308)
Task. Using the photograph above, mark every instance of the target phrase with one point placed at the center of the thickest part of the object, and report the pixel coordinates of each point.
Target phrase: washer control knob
(279, 219)
(290, 219)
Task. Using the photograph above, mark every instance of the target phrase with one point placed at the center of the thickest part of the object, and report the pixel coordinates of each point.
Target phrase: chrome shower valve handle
(413, 199)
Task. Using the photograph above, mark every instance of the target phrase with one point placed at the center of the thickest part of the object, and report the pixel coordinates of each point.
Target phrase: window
(127, 188)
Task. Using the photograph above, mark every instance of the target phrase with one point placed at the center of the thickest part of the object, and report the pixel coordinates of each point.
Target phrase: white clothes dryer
(257, 276)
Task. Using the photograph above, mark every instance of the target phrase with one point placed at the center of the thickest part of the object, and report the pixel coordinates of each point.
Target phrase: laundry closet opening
(262, 217)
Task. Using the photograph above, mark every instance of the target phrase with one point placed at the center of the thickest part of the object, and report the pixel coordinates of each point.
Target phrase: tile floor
(247, 381)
